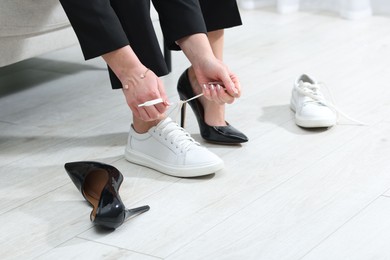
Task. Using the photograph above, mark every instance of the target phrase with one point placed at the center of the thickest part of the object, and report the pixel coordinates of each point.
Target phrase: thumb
(230, 84)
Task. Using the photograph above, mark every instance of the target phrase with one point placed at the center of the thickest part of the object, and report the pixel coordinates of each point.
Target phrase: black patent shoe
(216, 134)
(99, 184)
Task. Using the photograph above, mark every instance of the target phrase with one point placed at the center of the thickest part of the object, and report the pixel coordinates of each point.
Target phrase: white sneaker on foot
(168, 148)
(310, 107)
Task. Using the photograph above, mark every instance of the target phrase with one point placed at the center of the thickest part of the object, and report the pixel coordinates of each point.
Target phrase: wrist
(197, 49)
(126, 80)
(124, 62)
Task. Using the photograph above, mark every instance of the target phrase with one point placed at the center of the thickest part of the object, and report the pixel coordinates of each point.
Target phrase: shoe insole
(93, 187)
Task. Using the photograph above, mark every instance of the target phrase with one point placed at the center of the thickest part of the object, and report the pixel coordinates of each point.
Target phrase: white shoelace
(173, 133)
(313, 91)
(177, 106)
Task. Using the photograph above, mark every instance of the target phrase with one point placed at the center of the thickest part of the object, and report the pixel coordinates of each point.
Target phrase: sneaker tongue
(178, 134)
(166, 120)
(312, 92)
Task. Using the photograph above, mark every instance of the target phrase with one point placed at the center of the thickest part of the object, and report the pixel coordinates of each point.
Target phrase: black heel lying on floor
(99, 184)
(216, 134)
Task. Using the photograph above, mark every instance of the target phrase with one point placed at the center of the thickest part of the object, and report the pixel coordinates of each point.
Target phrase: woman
(121, 32)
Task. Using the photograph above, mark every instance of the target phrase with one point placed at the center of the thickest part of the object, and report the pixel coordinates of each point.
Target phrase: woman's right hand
(139, 83)
(140, 86)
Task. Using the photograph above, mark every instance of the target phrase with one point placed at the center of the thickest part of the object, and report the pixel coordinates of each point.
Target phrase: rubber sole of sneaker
(318, 123)
(172, 170)
(313, 123)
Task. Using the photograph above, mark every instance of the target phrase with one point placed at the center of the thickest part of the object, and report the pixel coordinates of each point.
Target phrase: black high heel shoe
(99, 184)
(216, 134)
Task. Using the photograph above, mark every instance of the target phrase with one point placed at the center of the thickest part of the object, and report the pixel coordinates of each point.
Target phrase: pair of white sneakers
(170, 149)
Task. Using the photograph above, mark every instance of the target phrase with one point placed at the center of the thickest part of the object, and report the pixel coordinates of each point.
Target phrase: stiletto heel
(99, 184)
(216, 134)
(135, 211)
(183, 115)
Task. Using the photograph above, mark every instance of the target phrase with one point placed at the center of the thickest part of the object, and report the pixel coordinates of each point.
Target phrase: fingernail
(126, 86)
(219, 87)
(234, 89)
(204, 86)
(212, 87)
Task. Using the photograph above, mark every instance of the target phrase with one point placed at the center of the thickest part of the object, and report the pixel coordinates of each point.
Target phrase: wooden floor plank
(288, 221)
(363, 237)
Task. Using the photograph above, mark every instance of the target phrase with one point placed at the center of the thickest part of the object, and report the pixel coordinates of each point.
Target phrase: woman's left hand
(218, 83)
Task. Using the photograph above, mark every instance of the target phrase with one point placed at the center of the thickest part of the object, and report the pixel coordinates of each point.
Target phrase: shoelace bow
(175, 134)
(172, 132)
(313, 91)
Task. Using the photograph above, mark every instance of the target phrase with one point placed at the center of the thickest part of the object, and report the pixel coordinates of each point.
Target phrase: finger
(161, 107)
(230, 85)
(216, 94)
(206, 92)
(144, 115)
(152, 112)
(236, 83)
(135, 111)
(224, 96)
(213, 93)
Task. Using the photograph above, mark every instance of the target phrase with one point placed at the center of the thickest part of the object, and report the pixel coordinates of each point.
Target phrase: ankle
(141, 126)
(214, 114)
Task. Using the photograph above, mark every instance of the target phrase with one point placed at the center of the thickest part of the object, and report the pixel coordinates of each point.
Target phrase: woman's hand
(139, 83)
(218, 83)
(139, 88)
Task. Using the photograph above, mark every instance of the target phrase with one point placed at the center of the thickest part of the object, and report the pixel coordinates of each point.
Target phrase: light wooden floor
(289, 193)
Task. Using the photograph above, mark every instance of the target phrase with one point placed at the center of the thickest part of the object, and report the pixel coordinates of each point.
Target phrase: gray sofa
(29, 28)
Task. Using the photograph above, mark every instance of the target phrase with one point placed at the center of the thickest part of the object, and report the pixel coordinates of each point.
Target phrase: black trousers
(106, 25)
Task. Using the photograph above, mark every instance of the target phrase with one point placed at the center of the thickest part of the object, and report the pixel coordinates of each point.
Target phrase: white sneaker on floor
(168, 148)
(310, 107)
